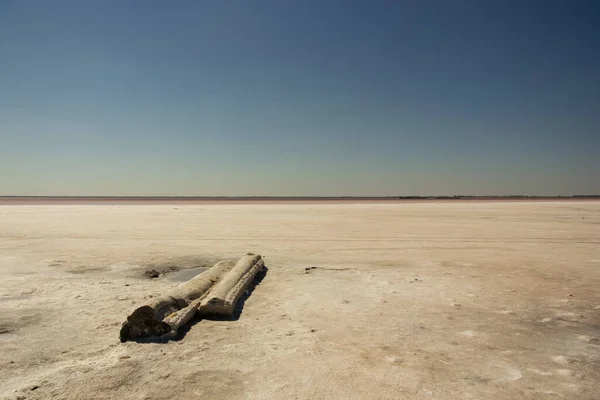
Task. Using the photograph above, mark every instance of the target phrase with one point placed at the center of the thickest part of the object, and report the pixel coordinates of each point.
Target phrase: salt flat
(445, 300)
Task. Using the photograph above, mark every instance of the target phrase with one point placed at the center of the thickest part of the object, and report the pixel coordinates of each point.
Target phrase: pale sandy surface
(482, 300)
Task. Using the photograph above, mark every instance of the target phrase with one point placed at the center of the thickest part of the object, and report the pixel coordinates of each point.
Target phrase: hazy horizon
(341, 197)
(329, 98)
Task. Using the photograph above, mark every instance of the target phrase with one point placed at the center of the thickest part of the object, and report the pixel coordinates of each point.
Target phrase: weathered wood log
(215, 291)
(154, 318)
(223, 297)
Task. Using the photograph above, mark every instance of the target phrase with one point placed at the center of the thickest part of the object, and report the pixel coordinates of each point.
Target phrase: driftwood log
(164, 315)
(224, 295)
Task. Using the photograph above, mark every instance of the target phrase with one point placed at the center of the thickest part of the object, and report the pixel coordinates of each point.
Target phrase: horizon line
(391, 197)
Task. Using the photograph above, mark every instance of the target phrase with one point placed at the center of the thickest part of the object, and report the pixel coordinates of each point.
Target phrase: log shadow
(235, 316)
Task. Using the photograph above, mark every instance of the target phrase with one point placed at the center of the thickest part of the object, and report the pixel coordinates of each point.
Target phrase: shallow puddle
(184, 274)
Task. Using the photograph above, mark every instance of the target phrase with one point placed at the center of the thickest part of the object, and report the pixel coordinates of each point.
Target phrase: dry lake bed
(391, 300)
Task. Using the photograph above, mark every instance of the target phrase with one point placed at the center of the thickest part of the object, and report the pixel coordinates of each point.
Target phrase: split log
(215, 291)
(223, 297)
(151, 318)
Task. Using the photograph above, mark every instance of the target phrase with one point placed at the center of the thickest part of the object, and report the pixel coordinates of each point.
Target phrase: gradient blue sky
(277, 97)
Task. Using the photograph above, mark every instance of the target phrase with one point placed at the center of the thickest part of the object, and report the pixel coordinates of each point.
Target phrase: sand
(461, 300)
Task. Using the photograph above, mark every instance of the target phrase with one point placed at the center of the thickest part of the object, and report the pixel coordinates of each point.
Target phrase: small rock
(313, 330)
(21, 397)
(34, 387)
(124, 357)
(345, 301)
(127, 284)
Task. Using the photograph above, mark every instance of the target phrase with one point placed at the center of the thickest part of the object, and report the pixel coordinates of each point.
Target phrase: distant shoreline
(42, 200)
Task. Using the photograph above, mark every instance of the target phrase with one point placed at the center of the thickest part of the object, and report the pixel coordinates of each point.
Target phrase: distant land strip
(204, 199)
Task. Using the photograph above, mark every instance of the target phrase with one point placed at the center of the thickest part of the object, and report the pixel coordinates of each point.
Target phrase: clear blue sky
(411, 97)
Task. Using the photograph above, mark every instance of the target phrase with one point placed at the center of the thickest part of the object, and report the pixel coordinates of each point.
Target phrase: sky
(299, 98)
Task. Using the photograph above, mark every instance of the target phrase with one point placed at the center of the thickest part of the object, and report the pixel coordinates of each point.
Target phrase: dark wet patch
(85, 270)
(152, 273)
(181, 262)
(14, 319)
(308, 269)
(7, 332)
(5, 329)
(476, 380)
(155, 273)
